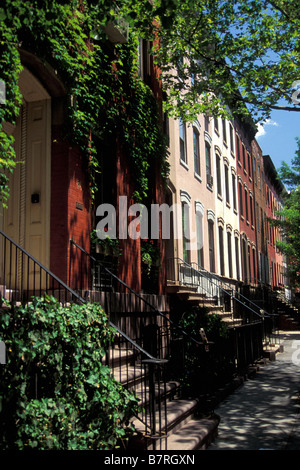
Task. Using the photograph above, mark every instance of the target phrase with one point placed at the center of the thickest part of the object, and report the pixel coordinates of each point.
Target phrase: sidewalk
(264, 413)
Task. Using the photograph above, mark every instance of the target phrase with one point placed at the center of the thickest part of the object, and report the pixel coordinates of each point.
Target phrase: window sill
(182, 163)
(198, 177)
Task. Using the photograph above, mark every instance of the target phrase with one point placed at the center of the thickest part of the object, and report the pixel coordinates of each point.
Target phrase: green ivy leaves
(55, 391)
(60, 34)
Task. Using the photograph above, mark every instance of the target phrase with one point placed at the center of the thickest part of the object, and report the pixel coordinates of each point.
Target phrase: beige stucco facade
(204, 182)
(191, 188)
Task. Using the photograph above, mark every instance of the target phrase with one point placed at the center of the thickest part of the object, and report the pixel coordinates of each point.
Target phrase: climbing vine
(55, 391)
(105, 94)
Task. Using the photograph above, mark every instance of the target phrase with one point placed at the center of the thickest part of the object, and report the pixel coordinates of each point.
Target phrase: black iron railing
(22, 278)
(213, 287)
(146, 323)
(151, 328)
(137, 315)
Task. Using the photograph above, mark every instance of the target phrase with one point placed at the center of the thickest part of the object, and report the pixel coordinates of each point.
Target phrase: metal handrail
(265, 313)
(220, 287)
(152, 366)
(76, 295)
(155, 309)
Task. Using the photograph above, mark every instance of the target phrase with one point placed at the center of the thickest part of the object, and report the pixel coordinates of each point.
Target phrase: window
(249, 264)
(244, 157)
(237, 258)
(196, 151)
(262, 223)
(254, 263)
(211, 246)
(254, 170)
(144, 59)
(241, 198)
(238, 149)
(224, 130)
(246, 204)
(227, 184)
(231, 138)
(244, 260)
(229, 253)
(234, 191)
(257, 217)
(182, 140)
(259, 181)
(185, 231)
(208, 164)
(218, 169)
(206, 123)
(249, 165)
(199, 228)
(221, 251)
(251, 210)
(216, 123)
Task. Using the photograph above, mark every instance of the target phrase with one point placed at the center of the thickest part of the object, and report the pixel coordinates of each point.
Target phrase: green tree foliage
(105, 95)
(289, 217)
(56, 393)
(244, 52)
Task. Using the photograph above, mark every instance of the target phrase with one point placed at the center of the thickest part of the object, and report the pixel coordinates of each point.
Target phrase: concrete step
(193, 297)
(183, 429)
(178, 413)
(161, 391)
(118, 356)
(288, 323)
(128, 375)
(196, 434)
(175, 288)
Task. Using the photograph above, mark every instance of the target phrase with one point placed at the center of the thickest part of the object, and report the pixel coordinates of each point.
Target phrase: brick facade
(70, 215)
(244, 165)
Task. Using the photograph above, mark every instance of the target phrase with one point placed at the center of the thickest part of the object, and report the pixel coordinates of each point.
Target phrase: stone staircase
(181, 425)
(189, 294)
(289, 316)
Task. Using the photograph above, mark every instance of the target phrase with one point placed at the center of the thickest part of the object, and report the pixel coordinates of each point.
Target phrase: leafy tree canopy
(289, 220)
(246, 52)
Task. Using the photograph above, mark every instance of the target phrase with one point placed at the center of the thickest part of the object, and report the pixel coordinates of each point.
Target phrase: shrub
(56, 392)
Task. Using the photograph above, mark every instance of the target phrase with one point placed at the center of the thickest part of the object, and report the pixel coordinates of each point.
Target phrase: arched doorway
(27, 219)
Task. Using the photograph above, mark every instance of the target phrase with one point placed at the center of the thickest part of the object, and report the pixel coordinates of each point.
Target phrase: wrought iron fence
(22, 278)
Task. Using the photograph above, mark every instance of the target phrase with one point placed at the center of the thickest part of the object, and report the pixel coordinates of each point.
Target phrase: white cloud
(261, 127)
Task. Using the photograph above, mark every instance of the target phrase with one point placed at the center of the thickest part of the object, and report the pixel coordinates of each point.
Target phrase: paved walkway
(264, 413)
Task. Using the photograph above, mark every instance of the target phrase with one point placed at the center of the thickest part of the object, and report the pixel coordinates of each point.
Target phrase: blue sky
(277, 137)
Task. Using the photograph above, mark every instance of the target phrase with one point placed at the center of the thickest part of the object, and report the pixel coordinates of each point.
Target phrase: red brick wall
(70, 215)
(130, 259)
(247, 229)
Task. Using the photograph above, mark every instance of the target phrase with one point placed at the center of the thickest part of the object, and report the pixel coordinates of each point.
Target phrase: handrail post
(154, 375)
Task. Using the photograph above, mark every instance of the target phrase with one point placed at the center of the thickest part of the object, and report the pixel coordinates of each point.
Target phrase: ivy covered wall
(104, 93)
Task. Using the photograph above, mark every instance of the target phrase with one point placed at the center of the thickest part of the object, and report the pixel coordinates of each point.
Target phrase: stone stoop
(182, 428)
(287, 322)
(190, 295)
(195, 434)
